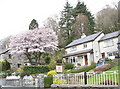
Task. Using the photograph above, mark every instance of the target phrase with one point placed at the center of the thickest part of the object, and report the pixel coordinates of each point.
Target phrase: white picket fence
(88, 78)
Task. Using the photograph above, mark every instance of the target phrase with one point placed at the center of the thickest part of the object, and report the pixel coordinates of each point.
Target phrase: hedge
(48, 81)
(34, 69)
(4, 65)
(86, 68)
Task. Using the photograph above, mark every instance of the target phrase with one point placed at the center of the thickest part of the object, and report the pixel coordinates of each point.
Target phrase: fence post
(85, 78)
(41, 80)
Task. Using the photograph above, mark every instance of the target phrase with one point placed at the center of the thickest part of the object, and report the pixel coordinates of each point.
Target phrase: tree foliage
(33, 43)
(88, 19)
(65, 23)
(74, 22)
(107, 19)
(33, 25)
(52, 22)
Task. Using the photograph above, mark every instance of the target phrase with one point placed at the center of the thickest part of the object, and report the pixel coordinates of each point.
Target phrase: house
(108, 45)
(2, 53)
(83, 51)
(14, 61)
(89, 49)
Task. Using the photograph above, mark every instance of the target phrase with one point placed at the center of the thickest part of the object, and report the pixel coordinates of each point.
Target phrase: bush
(69, 66)
(47, 60)
(20, 70)
(59, 61)
(33, 69)
(59, 81)
(52, 64)
(103, 67)
(52, 72)
(85, 68)
(5, 65)
(48, 81)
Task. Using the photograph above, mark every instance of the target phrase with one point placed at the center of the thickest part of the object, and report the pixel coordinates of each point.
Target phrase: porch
(81, 58)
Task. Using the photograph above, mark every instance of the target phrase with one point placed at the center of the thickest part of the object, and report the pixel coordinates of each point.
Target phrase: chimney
(83, 35)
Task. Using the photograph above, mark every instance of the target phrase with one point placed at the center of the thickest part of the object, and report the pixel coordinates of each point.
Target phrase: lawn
(114, 68)
(99, 78)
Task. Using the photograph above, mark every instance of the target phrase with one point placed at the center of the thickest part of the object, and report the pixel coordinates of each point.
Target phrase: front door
(86, 60)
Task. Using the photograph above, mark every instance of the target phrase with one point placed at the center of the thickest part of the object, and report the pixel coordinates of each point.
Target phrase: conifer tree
(82, 9)
(33, 24)
(66, 22)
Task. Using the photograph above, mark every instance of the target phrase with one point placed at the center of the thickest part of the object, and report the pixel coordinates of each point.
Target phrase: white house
(89, 49)
(108, 45)
(83, 51)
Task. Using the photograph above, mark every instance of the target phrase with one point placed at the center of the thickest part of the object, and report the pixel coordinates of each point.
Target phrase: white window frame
(108, 43)
(85, 45)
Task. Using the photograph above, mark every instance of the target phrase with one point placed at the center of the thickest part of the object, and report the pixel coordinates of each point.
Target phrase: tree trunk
(28, 56)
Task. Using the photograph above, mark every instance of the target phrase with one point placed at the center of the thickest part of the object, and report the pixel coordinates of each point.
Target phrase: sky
(16, 15)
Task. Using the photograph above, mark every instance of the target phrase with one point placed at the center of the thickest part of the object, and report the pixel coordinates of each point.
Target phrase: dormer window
(84, 45)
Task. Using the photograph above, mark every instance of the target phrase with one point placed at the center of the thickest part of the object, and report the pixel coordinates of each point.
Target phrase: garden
(49, 69)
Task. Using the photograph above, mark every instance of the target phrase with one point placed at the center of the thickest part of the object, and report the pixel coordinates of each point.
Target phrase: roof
(79, 52)
(110, 35)
(3, 51)
(83, 40)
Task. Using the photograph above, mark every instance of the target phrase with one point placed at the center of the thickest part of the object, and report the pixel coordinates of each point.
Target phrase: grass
(99, 78)
(114, 68)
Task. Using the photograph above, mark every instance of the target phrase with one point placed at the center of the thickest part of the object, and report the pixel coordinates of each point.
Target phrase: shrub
(69, 66)
(52, 72)
(48, 81)
(47, 60)
(52, 64)
(59, 61)
(33, 69)
(20, 70)
(5, 65)
(59, 81)
(103, 67)
(85, 68)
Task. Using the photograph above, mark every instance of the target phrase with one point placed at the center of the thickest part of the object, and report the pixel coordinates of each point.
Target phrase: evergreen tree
(82, 9)
(33, 24)
(66, 22)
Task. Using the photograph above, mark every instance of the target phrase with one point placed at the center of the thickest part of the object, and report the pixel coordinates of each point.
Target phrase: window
(66, 59)
(73, 48)
(73, 59)
(113, 54)
(9, 55)
(19, 65)
(84, 45)
(108, 43)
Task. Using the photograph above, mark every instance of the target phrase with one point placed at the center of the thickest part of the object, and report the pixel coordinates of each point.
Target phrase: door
(86, 60)
(103, 55)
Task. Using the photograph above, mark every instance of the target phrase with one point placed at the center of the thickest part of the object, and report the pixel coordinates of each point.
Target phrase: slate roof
(79, 52)
(83, 40)
(3, 51)
(110, 35)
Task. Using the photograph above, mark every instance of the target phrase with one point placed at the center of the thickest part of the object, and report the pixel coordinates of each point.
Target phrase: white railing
(88, 78)
(104, 78)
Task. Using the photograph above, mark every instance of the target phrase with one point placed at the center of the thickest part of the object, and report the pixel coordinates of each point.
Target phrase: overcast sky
(16, 15)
